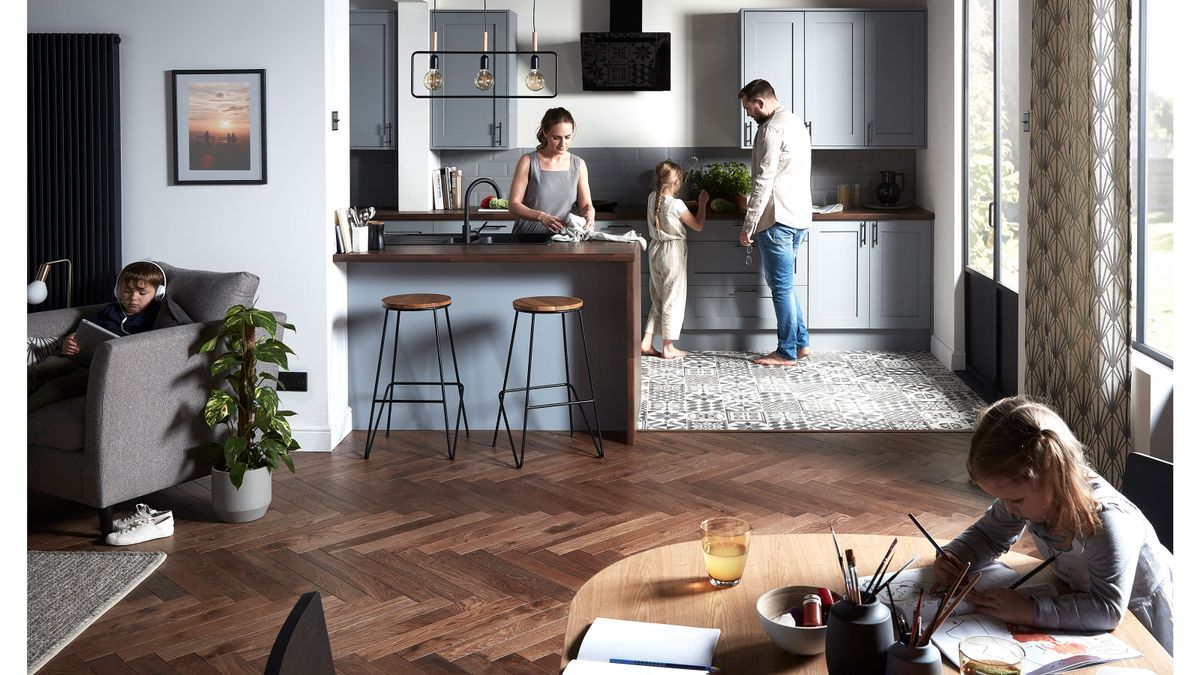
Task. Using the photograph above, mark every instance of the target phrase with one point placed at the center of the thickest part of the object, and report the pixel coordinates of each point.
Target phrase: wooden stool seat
(543, 304)
(411, 302)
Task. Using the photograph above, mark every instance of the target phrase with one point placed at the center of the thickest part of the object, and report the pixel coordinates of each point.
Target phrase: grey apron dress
(551, 191)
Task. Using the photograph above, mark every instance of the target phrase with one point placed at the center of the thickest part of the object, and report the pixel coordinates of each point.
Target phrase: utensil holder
(857, 638)
(905, 660)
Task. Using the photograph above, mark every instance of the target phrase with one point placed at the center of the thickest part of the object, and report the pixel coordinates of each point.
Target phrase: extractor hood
(625, 58)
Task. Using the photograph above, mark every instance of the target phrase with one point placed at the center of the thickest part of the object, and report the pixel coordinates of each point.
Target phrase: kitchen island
(483, 280)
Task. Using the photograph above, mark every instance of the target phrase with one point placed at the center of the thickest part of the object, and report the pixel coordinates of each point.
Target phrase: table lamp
(37, 290)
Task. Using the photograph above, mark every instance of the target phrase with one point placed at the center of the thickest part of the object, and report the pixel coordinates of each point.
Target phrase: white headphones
(158, 292)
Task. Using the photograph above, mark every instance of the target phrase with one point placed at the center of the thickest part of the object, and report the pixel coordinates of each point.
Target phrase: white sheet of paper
(641, 641)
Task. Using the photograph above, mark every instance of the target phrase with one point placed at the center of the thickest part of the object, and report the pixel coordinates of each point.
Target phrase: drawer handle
(744, 290)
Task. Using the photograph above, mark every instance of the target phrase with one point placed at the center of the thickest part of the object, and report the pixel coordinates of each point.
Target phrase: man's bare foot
(650, 351)
(803, 353)
(673, 353)
(774, 359)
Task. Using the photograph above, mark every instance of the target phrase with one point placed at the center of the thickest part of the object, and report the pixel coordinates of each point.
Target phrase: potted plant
(260, 437)
(725, 180)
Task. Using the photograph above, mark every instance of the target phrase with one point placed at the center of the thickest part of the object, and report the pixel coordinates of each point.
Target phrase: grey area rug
(68, 590)
(828, 391)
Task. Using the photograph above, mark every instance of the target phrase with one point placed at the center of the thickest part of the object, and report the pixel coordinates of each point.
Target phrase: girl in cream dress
(666, 218)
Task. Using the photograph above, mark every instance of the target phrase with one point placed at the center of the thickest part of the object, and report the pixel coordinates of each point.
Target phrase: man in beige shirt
(779, 211)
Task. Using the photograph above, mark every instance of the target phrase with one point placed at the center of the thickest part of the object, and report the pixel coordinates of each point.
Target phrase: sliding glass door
(992, 206)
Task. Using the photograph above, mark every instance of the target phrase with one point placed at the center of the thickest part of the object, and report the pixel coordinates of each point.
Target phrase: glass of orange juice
(725, 542)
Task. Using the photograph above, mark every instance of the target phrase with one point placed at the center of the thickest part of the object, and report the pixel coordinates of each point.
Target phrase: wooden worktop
(910, 213)
(588, 251)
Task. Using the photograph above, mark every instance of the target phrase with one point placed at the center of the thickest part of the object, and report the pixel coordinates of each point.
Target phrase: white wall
(939, 177)
(279, 231)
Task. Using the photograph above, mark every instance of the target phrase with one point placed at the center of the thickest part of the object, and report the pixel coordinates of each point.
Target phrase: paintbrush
(841, 562)
(928, 536)
(1017, 584)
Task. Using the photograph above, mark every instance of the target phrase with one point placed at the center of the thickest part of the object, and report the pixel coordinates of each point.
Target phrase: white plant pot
(235, 505)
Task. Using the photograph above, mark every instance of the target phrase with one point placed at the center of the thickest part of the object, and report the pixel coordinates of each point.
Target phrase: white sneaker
(144, 529)
(140, 511)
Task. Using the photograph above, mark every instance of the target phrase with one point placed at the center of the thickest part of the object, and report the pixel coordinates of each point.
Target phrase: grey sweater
(1122, 565)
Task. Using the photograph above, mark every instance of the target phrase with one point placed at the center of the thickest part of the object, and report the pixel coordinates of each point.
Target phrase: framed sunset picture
(220, 131)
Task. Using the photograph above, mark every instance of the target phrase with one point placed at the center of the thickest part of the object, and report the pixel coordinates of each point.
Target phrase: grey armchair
(139, 428)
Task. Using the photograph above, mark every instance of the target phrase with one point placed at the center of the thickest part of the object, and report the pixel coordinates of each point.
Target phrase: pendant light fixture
(433, 79)
(534, 80)
(484, 78)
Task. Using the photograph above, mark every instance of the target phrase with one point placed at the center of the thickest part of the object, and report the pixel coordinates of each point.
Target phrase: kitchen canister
(905, 660)
(375, 238)
(857, 638)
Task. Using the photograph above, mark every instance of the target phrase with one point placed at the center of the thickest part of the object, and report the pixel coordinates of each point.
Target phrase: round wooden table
(669, 585)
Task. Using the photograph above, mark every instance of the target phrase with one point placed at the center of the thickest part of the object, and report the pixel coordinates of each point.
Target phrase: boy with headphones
(139, 288)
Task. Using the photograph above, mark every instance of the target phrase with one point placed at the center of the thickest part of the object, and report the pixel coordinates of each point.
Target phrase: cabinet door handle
(499, 134)
(874, 234)
(862, 233)
(387, 134)
(746, 133)
(870, 132)
(991, 219)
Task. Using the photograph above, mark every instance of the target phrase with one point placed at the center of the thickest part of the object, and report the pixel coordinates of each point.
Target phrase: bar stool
(533, 306)
(416, 302)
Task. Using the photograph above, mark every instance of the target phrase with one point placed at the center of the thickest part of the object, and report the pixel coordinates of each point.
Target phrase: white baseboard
(945, 353)
(324, 439)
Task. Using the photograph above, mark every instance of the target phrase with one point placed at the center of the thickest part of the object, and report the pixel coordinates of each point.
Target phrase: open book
(1045, 651)
(640, 648)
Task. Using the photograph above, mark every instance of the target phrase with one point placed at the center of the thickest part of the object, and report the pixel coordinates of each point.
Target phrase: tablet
(88, 337)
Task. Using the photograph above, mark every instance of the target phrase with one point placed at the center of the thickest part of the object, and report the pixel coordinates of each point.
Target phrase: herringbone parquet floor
(431, 566)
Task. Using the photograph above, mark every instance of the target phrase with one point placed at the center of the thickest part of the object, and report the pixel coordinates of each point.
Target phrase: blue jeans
(778, 246)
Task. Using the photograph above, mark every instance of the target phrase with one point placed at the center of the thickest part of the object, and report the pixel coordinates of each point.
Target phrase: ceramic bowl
(794, 639)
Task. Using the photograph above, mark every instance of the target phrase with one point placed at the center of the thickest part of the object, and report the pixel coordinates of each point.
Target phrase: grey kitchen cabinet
(835, 78)
(483, 121)
(372, 79)
(857, 77)
(896, 73)
(870, 274)
(773, 50)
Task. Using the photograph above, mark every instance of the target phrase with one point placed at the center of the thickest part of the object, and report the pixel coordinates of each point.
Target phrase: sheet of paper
(910, 583)
(1045, 651)
(655, 642)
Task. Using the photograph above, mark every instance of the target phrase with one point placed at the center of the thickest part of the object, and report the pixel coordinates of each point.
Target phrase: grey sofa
(139, 428)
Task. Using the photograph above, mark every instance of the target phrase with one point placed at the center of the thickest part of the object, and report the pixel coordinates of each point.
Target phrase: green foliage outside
(259, 433)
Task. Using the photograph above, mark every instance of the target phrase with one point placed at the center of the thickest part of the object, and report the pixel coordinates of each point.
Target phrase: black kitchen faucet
(467, 205)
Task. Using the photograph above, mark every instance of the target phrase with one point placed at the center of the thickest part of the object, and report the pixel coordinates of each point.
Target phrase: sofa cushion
(58, 425)
(205, 296)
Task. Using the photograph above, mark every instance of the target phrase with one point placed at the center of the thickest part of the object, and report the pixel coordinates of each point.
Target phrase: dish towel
(576, 231)
(832, 208)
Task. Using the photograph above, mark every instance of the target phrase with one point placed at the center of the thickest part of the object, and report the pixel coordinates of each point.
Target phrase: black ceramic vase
(857, 638)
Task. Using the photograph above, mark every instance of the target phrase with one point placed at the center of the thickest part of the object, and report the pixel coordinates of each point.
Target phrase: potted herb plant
(260, 437)
(725, 180)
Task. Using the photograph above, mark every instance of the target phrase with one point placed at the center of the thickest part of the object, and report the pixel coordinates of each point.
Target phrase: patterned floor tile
(836, 391)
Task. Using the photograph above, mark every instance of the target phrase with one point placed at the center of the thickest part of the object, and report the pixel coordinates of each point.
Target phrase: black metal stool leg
(528, 383)
(504, 385)
(591, 387)
(437, 341)
(567, 377)
(462, 408)
(391, 387)
(372, 426)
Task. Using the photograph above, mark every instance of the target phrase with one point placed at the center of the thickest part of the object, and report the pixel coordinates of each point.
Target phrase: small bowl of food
(783, 617)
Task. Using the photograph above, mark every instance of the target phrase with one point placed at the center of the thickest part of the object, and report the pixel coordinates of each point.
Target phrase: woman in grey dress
(550, 179)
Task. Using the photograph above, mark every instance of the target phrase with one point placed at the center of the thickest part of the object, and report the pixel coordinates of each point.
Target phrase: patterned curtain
(1078, 291)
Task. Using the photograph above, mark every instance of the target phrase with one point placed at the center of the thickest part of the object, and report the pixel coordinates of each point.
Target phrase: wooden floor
(430, 566)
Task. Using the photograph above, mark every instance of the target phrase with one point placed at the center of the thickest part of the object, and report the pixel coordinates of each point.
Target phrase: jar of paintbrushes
(859, 629)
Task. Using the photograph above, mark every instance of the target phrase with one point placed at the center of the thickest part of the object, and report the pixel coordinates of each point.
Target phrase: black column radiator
(74, 158)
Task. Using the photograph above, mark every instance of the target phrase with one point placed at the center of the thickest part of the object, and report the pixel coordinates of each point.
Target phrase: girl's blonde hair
(1020, 439)
(552, 117)
(665, 173)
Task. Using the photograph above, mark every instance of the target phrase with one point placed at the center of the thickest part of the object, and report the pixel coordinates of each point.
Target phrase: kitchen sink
(497, 238)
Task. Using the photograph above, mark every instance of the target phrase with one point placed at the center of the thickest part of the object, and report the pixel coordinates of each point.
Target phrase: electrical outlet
(293, 381)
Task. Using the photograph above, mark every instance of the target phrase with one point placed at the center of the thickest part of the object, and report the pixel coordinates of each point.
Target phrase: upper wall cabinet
(372, 79)
(896, 79)
(773, 50)
(856, 77)
(485, 121)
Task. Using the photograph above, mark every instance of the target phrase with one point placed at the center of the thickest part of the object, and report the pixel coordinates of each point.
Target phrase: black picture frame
(219, 127)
